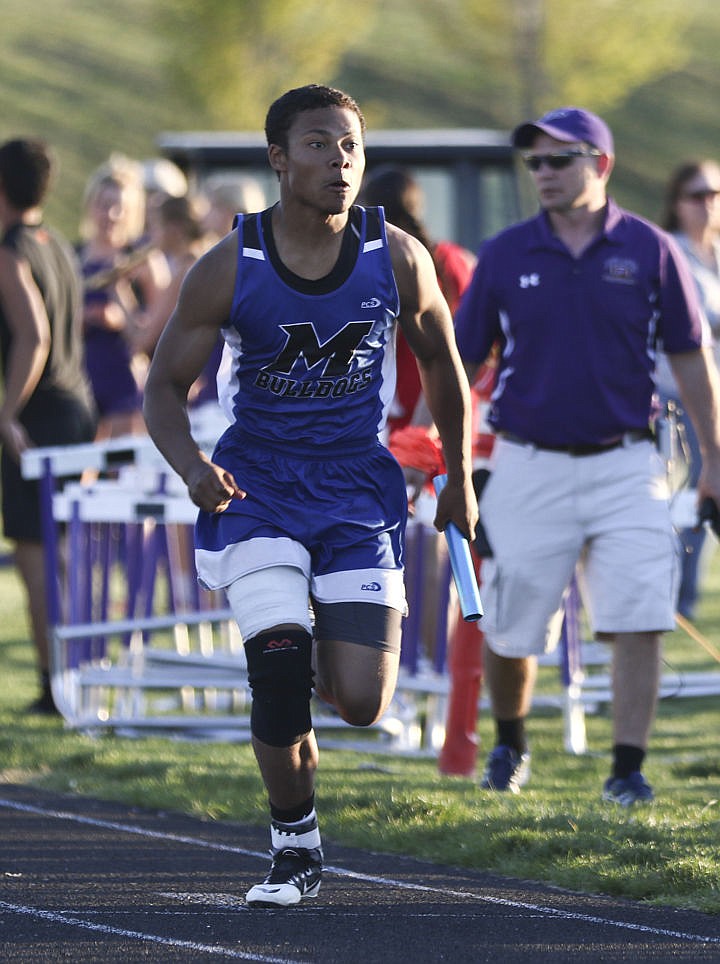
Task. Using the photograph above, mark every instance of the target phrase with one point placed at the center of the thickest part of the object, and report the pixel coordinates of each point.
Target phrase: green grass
(557, 830)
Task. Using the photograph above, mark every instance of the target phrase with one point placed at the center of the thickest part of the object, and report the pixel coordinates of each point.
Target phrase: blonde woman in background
(122, 274)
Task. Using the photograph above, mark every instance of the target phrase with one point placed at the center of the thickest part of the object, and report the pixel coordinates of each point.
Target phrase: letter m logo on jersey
(337, 353)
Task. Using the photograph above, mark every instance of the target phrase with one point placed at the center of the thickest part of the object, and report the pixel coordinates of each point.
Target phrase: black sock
(295, 814)
(45, 683)
(512, 733)
(626, 759)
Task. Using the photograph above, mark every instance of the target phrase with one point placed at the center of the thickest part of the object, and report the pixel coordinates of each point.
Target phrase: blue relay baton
(461, 564)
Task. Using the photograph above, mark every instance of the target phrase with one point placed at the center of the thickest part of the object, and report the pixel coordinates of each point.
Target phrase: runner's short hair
(283, 111)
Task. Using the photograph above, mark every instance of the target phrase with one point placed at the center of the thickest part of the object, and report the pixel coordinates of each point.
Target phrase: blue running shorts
(337, 515)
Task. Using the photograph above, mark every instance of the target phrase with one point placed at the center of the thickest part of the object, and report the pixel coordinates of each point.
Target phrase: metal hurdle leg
(444, 602)
(437, 700)
(409, 651)
(53, 565)
(50, 538)
(420, 700)
(572, 674)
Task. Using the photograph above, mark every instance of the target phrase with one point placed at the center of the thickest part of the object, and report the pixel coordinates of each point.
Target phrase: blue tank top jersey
(311, 364)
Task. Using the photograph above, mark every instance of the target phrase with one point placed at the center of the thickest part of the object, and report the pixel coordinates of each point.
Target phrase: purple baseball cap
(567, 124)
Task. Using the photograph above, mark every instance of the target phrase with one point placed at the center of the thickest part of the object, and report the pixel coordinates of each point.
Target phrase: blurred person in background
(226, 195)
(403, 199)
(46, 399)
(692, 215)
(162, 179)
(175, 230)
(414, 441)
(123, 274)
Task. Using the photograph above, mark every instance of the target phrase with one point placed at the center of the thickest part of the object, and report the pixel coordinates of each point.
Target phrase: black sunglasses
(556, 161)
(702, 195)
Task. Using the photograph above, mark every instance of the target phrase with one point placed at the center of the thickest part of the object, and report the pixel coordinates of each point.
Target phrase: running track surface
(89, 881)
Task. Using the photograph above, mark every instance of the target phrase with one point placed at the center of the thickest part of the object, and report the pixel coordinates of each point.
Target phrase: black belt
(627, 438)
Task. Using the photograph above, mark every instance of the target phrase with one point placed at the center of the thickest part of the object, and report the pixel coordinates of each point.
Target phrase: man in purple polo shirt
(578, 299)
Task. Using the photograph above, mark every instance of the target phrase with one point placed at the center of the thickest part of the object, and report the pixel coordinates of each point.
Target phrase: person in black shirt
(46, 398)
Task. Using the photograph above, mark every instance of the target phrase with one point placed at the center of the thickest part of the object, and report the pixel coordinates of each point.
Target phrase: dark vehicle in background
(469, 175)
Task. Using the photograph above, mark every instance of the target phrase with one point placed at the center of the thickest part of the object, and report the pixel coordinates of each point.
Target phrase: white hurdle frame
(212, 675)
(148, 492)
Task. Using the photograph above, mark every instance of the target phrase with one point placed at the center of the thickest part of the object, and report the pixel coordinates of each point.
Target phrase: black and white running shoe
(295, 874)
(297, 857)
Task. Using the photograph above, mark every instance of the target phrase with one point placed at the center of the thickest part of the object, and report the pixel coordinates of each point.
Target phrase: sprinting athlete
(302, 510)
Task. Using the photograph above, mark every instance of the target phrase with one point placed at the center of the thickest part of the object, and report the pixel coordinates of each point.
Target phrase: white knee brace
(270, 597)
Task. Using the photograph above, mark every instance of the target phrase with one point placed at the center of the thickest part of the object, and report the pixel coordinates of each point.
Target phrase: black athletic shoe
(506, 769)
(295, 874)
(628, 790)
(44, 705)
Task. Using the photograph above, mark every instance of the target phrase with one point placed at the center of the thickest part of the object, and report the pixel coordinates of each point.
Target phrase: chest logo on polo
(529, 280)
(623, 271)
(305, 368)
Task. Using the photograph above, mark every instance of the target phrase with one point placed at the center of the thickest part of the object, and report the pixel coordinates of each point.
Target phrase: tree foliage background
(232, 58)
(508, 59)
(93, 78)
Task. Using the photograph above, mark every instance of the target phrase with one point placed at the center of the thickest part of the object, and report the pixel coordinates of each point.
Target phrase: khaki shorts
(546, 513)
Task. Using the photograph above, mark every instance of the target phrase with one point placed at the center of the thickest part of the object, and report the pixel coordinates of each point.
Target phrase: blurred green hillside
(87, 77)
(91, 78)
(405, 81)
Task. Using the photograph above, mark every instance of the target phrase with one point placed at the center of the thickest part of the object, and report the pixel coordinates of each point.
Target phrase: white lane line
(368, 878)
(69, 919)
